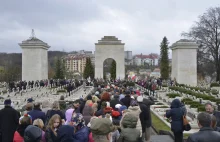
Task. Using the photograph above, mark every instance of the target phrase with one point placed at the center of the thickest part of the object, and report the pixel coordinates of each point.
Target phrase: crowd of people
(113, 112)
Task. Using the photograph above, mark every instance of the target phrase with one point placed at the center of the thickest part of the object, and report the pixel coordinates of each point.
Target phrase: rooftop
(109, 40)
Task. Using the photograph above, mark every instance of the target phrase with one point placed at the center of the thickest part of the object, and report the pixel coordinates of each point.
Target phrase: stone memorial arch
(109, 47)
(184, 62)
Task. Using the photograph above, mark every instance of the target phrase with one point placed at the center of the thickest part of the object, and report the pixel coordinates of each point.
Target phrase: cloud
(74, 25)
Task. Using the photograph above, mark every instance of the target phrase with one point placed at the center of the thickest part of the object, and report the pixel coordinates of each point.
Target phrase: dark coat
(115, 101)
(82, 135)
(144, 117)
(9, 119)
(205, 134)
(50, 136)
(126, 100)
(217, 115)
(176, 113)
(37, 114)
(65, 134)
(148, 103)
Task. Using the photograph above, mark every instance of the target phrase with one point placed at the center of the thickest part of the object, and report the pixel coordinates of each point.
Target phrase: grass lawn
(160, 125)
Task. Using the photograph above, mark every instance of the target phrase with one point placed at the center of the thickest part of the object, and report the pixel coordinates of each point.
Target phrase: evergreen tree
(113, 70)
(89, 70)
(164, 59)
(59, 70)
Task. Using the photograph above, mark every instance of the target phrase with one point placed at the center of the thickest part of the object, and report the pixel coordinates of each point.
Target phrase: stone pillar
(109, 47)
(34, 59)
(184, 62)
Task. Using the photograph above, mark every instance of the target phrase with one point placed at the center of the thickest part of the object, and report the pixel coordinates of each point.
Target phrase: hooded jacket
(135, 110)
(129, 133)
(176, 113)
(65, 134)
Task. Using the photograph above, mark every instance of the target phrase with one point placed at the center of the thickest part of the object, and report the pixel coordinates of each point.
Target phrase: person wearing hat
(9, 119)
(36, 113)
(115, 101)
(32, 134)
(145, 118)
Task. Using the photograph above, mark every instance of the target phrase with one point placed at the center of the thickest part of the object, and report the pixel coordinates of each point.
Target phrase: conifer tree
(164, 59)
(113, 70)
(59, 70)
(89, 70)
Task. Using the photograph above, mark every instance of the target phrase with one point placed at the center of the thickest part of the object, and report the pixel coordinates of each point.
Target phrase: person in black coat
(145, 117)
(127, 99)
(210, 109)
(9, 119)
(36, 113)
(176, 113)
(115, 101)
(206, 133)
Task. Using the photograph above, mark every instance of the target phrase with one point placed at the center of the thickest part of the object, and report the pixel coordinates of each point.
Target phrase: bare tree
(207, 33)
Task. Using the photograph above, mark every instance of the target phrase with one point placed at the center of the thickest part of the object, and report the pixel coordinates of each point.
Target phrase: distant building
(155, 73)
(151, 59)
(128, 58)
(76, 61)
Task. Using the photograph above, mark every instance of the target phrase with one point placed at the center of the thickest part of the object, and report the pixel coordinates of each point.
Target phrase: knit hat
(115, 114)
(140, 99)
(133, 103)
(30, 100)
(7, 102)
(122, 108)
(32, 134)
(118, 106)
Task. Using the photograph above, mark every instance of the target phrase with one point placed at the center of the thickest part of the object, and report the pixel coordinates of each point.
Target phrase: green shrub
(164, 85)
(201, 108)
(186, 100)
(61, 91)
(214, 92)
(159, 104)
(214, 84)
(173, 95)
(163, 107)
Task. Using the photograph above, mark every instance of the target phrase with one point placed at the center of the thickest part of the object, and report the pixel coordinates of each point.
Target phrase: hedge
(214, 84)
(173, 95)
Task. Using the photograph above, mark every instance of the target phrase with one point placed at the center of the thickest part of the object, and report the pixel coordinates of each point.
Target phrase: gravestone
(184, 62)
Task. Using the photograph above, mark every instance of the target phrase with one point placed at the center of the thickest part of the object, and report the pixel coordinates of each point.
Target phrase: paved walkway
(161, 138)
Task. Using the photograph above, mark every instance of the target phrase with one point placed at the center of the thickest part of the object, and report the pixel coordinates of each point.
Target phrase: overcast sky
(72, 25)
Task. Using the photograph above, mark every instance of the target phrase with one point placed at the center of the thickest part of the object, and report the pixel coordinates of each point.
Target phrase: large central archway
(109, 47)
(109, 69)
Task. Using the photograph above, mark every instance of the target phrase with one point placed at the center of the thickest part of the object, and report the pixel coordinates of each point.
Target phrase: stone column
(184, 62)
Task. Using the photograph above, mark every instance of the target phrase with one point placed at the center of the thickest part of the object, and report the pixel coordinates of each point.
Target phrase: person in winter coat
(115, 101)
(24, 122)
(129, 133)
(9, 119)
(65, 134)
(101, 129)
(52, 128)
(214, 123)
(145, 117)
(32, 134)
(55, 110)
(36, 113)
(135, 110)
(127, 99)
(176, 114)
(206, 133)
(88, 111)
(40, 124)
(81, 131)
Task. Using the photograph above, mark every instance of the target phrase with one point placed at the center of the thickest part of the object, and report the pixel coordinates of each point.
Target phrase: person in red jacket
(24, 122)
